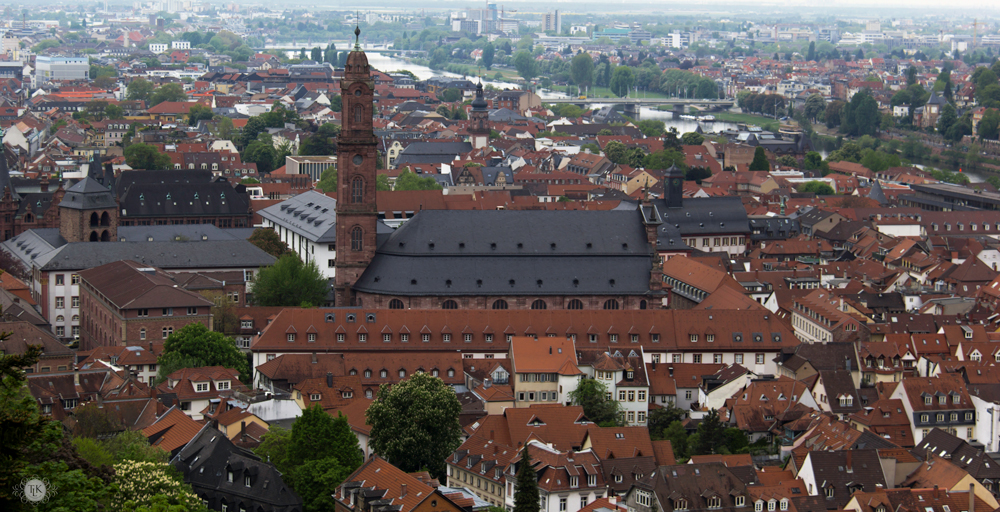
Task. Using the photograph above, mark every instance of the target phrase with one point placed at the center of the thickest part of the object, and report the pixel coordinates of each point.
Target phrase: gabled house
(229, 478)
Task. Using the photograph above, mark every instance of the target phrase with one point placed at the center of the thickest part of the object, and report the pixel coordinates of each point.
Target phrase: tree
(710, 433)
(139, 89)
(316, 54)
(582, 69)
(526, 65)
(167, 92)
(194, 343)
(861, 115)
(268, 241)
(225, 130)
(833, 110)
(262, 153)
(650, 127)
(323, 142)
(411, 181)
(317, 435)
(760, 162)
(415, 424)
(273, 448)
(114, 112)
(146, 156)
(947, 118)
(615, 151)
(815, 105)
(678, 437)
(328, 180)
(289, 282)
(811, 55)
(622, 81)
(591, 394)
(817, 187)
(451, 95)
(314, 479)
(660, 419)
(199, 112)
(697, 174)
(813, 161)
(526, 497)
(692, 139)
(989, 126)
(488, 53)
(137, 483)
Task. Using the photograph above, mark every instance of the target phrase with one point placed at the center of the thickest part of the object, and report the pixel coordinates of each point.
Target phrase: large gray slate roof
(47, 250)
(310, 214)
(705, 216)
(573, 252)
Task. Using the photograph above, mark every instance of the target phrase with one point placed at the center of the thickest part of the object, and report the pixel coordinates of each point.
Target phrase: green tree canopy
(268, 241)
(412, 181)
(147, 157)
(989, 125)
(167, 92)
(488, 53)
(526, 497)
(194, 343)
(199, 113)
(760, 162)
(622, 81)
(582, 69)
(289, 282)
(262, 153)
(525, 64)
(616, 152)
(817, 187)
(328, 180)
(692, 139)
(710, 433)
(415, 424)
(591, 394)
(660, 420)
(323, 142)
(651, 127)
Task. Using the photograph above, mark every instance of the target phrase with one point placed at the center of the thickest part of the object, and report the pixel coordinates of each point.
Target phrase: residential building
(200, 390)
(125, 302)
(378, 484)
(543, 370)
(942, 402)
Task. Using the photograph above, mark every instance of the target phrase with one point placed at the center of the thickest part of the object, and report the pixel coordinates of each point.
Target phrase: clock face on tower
(358, 159)
(677, 182)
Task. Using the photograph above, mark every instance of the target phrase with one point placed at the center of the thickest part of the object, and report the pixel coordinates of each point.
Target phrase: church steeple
(357, 213)
(479, 120)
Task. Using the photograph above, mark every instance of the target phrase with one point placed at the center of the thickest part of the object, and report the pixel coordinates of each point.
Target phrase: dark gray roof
(209, 456)
(773, 228)
(535, 252)
(88, 194)
(704, 216)
(46, 249)
(432, 152)
(877, 193)
(183, 193)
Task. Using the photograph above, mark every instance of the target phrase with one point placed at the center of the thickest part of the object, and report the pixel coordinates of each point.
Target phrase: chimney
(491, 435)
(402, 490)
(972, 497)
(935, 491)
(329, 379)
(243, 429)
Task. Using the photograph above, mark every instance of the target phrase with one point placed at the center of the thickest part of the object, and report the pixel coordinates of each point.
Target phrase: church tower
(479, 120)
(357, 214)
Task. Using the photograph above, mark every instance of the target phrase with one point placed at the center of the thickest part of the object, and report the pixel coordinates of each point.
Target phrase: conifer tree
(526, 488)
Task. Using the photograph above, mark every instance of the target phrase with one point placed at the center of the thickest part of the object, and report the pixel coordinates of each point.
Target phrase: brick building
(126, 302)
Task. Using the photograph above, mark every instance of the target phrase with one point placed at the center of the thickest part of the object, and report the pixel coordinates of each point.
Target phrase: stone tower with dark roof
(479, 120)
(357, 213)
(88, 213)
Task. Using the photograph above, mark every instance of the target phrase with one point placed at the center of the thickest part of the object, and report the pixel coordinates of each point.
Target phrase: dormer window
(229, 476)
(681, 504)
(829, 492)
(942, 399)
(348, 394)
(955, 398)
(574, 481)
(784, 504)
(591, 480)
(201, 387)
(315, 397)
(740, 501)
(758, 506)
(771, 505)
(927, 400)
(222, 385)
(714, 502)
(246, 480)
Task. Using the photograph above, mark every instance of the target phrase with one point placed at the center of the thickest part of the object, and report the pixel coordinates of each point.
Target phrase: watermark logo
(34, 491)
